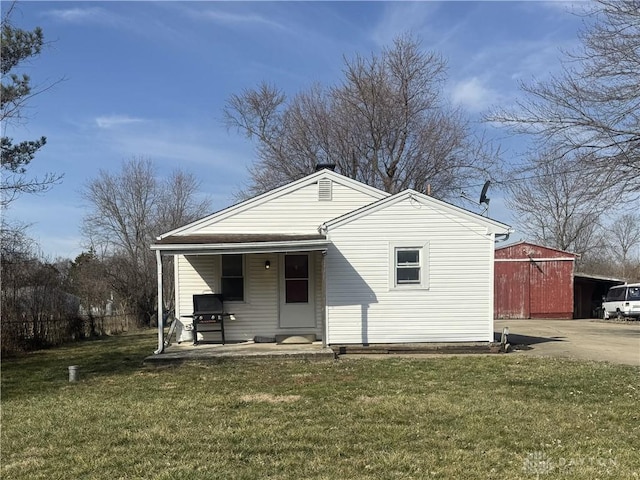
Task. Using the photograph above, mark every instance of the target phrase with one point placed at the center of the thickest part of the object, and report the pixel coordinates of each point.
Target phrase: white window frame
(423, 265)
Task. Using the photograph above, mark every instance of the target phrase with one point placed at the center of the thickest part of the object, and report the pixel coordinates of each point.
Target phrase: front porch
(271, 285)
(178, 353)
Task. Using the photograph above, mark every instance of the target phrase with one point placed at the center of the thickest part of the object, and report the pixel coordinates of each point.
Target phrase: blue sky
(150, 79)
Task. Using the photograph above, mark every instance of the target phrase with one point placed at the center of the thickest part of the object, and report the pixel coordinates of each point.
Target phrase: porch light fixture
(267, 265)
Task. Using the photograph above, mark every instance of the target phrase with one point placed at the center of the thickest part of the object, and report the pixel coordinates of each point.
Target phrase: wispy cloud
(86, 15)
(215, 14)
(526, 59)
(111, 121)
(171, 141)
(144, 24)
(401, 17)
(502, 67)
(474, 95)
(219, 163)
(563, 6)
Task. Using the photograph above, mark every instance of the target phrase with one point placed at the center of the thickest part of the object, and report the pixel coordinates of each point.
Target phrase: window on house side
(408, 266)
(232, 278)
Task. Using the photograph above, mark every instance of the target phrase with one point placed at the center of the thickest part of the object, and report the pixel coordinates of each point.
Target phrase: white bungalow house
(329, 256)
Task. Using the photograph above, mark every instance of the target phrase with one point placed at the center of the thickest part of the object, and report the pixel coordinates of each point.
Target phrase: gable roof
(278, 192)
(535, 245)
(418, 197)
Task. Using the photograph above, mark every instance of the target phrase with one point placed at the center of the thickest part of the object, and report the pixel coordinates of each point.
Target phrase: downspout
(322, 229)
(529, 289)
(503, 237)
(492, 291)
(160, 305)
(324, 300)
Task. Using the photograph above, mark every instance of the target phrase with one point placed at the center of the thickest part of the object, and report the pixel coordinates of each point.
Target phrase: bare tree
(386, 125)
(591, 111)
(87, 279)
(36, 311)
(624, 236)
(558, 208)
(127, 211)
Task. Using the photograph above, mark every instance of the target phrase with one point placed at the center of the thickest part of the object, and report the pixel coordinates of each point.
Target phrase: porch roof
(208, 244)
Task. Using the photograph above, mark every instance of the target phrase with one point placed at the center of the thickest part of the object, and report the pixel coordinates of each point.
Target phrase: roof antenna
(483, 197)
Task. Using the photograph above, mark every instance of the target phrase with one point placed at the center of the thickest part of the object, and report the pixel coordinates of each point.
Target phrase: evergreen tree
(16, 90)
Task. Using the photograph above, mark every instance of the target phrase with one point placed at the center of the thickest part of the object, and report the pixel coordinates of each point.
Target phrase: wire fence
(48, 330)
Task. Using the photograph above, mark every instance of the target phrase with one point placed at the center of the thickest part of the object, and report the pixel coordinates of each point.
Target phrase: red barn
(532, 281)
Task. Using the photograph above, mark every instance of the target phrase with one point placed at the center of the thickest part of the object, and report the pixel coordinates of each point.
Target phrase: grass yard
(442, 417)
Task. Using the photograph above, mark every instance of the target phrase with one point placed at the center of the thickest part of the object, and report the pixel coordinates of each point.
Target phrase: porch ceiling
(204, 244)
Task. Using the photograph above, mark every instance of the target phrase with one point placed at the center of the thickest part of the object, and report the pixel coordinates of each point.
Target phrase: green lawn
(499, 416)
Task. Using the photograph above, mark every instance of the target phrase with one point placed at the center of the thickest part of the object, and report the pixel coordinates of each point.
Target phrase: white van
(622, 301)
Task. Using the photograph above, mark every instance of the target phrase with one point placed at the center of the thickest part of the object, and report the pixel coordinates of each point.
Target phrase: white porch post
(324, 298)
(160, 305)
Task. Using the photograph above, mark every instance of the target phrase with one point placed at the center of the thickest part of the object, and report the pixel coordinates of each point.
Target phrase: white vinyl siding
(457, 306)
(258, 314)
(301, 209)
(299, 212)
(197, 274)
(409, 265)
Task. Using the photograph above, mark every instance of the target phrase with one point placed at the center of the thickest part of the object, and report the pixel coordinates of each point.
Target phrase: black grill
(208, 309)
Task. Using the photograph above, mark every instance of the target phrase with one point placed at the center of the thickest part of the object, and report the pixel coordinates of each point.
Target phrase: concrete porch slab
(186, 352)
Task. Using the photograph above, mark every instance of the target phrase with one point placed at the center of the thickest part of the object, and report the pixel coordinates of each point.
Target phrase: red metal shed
(532, 281)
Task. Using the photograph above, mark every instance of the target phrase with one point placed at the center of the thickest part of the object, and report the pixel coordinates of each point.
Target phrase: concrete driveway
(578, 339)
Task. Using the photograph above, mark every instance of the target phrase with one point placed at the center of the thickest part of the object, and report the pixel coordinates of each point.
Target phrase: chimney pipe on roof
(328, 166)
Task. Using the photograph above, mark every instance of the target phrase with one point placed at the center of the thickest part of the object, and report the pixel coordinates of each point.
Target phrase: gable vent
(324, 189)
